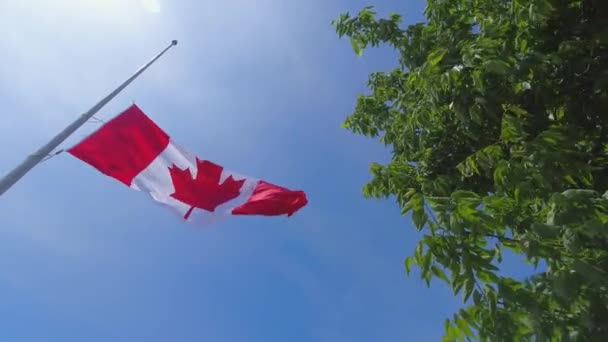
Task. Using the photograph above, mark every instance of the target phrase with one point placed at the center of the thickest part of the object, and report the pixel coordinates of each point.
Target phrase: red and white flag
(134, 150)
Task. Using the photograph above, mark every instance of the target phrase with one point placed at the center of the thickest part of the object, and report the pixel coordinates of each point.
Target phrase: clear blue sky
(258, 86)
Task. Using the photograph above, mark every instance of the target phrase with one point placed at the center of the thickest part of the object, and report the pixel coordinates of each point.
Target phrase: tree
(497, 118)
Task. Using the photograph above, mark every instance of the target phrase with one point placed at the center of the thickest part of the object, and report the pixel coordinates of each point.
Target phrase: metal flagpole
(32, 160)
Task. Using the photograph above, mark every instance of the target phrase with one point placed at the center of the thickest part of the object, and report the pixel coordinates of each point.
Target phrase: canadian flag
(134, 150)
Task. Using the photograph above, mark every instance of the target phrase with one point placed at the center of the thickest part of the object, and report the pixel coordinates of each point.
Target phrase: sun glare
(151, 5)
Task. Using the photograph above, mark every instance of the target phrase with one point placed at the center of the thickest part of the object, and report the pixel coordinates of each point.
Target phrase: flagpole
(32, 160)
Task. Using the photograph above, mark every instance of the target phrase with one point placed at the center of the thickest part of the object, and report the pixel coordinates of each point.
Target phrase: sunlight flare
(151, 5)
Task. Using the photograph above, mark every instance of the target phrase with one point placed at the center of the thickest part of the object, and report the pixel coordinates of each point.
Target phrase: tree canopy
(496, 115)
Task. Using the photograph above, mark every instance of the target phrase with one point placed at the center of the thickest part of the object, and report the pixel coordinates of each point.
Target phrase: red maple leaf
(204, 191)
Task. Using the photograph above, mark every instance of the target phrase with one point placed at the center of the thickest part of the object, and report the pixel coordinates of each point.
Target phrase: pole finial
(174, 42)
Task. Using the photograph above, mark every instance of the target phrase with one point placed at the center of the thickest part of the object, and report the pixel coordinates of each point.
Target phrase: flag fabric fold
(132, 149)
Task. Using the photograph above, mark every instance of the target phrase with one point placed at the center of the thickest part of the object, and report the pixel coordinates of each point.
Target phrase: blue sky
(258, 86)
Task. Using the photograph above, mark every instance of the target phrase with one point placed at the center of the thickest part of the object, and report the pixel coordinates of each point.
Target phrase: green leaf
(447, 327)
(409, 261)
(463, 194)
(395, 17)
(491, 299)
(580, 193)
(522, 87)
(420, 218)
(487, 277)
(497, 67)
(565, 286)
(518, 111)
(457, 283)
(464, 327)
(594, 274)
(512, 130)
(476, 297)
(438, 272)
(468, 288)
(416, 203)
(451, 335)
(436, 56)
(468, 213)
(419, 254)
(546, 231)
(356, 47)
(428, 259)
(498, 253)
(500, 173)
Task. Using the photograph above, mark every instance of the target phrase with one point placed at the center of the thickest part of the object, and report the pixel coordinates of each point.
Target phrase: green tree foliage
(497, 118)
